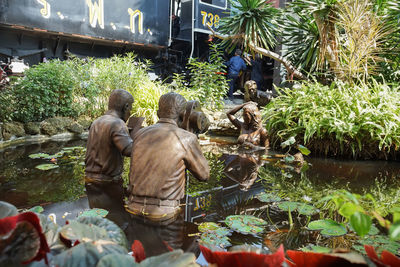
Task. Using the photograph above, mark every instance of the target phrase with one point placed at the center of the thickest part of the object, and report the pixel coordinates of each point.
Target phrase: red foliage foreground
(387, 258)
(8, 225)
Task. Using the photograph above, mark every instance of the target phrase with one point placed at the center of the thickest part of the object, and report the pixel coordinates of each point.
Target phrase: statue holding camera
(161, 154)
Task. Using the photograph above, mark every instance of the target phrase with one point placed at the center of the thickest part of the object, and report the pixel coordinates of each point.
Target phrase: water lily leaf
(328, 227)
(214, 239)
(288, 142)
(116, 260)
(306, 209)
(94, 212)
(45, 167)
(74, 148)
(361, 223)
(268, 197)
(303, 150)
(288, 205)
(208, 226)
(7, 210)
(37, 209)
(317, 249)
(394, 231)
(38, 156)
(245, 224)
(113, 231)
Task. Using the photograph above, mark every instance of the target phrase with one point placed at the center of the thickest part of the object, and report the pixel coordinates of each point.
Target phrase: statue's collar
(166, 120)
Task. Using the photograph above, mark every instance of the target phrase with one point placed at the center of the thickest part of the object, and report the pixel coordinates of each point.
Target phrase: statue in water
(252, 134)
(161, 153)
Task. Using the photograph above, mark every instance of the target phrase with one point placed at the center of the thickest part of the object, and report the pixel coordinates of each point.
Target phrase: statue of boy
(109, 140)
(252, 133)
(161, 153)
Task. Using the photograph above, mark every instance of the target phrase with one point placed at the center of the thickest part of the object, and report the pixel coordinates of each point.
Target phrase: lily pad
(288, 142)
(37, 209)
(328, 227)
(245, 224)
(94, 212)
(208, 226)
(38, 156)
(214, 239)
(302, 208)
(268, 197)
(303, 150)
(317, 249)
(45, 167)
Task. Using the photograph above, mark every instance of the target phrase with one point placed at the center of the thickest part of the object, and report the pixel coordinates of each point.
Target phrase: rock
(75, 128)
(32, 128)
(55, 125)
(12, 130)
(85, 123)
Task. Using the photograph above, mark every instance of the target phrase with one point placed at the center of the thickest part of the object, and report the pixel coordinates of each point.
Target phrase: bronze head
(121, 102)
(250, 90)
(251, 116)
(171, 106)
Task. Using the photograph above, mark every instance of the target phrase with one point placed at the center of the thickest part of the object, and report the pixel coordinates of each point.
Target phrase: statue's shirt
(160, 155)
(108, 139)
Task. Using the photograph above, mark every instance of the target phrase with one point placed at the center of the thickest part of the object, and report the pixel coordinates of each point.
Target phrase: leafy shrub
(358, 121)
(45, 91)
(7, 105)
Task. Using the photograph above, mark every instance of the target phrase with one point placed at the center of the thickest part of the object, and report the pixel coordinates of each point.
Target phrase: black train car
(166, 31)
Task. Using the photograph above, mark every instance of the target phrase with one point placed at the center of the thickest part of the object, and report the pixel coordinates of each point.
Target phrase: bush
(45, 91)
(358, 121)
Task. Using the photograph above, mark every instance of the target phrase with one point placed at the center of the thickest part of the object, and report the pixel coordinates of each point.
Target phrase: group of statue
(160, 154)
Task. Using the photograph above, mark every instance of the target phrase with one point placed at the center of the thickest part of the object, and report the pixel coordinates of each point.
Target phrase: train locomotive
(166, 31)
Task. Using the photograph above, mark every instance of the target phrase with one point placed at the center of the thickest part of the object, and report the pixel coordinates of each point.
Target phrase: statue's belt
(154, 201)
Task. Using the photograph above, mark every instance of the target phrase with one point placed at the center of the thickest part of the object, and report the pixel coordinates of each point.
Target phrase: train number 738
(210, 19)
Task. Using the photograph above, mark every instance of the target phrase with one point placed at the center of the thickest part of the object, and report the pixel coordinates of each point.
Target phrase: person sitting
(252, 133)
(109, 141)
(161, 153)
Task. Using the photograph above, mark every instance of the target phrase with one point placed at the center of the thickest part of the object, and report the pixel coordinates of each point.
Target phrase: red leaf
(138, 251)
(231, 259)
(373, 256)
(310, 259)
(9, 223)
(168, 246)
(389, 259)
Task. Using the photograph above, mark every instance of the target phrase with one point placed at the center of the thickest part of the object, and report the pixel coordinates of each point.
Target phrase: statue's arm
(264, 138)
(195, 161)
(121, 139)
(230, 114)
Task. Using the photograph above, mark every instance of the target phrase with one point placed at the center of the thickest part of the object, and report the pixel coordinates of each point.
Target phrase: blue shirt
(235, 65)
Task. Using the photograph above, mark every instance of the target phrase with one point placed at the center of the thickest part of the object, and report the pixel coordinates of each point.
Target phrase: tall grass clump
(359, 121)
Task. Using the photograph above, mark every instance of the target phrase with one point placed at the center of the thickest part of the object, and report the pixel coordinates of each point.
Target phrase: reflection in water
(156, 239)
(243, 169)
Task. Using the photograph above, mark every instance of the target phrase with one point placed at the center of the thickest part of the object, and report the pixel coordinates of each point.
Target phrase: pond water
(237, 178)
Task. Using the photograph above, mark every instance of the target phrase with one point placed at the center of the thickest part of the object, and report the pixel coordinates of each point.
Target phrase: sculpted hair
(118, 99)
(171, 105)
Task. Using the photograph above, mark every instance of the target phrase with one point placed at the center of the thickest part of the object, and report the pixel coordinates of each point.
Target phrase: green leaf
(361, 223)
(45, 167)
(348, 209)
(303, 150)
(268, 197)
(214, 239)
(94, 212)
(288, 205)
(245, 224)
(288, 142)
(38, 156)
(117, 260)
(289, 159)
(328, 227)
(37, 209)
(318, 249)
(306, 209)
(394, 231)
(175, 258)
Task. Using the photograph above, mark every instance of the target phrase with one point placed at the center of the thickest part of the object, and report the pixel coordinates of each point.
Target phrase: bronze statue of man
(109, 141)
(161, 153)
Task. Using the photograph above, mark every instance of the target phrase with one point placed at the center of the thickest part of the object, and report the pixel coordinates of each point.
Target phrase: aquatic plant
(359, 121)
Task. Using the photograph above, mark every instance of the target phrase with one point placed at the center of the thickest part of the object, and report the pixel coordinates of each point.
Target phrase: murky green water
(236, 178)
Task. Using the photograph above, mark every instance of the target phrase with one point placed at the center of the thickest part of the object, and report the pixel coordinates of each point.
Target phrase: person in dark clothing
(235, 65)
(256, 70)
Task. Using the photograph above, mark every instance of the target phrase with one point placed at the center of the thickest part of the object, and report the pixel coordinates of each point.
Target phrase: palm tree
(253, 25)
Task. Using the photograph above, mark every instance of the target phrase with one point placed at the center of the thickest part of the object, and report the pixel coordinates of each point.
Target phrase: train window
(218, 3)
